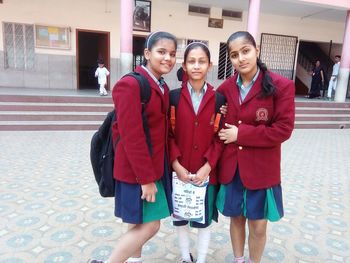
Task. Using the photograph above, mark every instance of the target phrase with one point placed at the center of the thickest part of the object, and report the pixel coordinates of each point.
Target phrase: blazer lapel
(255, 90)
(186, 95)
(208, 95)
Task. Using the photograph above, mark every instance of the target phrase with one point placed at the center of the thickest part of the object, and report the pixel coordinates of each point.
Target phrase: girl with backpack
(260, 116)
(141, 187)
(193, 143)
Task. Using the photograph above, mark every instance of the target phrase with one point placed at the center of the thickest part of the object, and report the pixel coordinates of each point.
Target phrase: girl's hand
(202, 174)
(181, 172)
(229, 134)
(223, 109)
(149, 192)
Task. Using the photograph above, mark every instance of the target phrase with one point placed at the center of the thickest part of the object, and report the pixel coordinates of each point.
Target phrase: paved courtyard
(50, 209)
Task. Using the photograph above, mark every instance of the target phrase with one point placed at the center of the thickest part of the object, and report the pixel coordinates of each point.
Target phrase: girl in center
(193, 143)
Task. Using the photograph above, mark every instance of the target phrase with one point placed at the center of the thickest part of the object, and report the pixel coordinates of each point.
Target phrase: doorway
(138, 44)
(91, 46)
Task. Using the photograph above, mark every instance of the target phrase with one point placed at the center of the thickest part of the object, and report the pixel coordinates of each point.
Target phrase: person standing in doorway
(317, 81)
(101, 74)
(260, 117)
(334, 78)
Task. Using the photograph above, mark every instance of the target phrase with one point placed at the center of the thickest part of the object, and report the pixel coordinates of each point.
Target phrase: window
(198, 10)
(182, 44)
(19, 46)
(225, 66)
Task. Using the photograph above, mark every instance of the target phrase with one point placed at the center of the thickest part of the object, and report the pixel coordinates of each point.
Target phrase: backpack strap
(174, 97)
(145, 95)
(220, 100)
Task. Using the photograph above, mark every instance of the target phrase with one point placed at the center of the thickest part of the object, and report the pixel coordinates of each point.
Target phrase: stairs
(79, 112)
(316, 114)
(59, 113)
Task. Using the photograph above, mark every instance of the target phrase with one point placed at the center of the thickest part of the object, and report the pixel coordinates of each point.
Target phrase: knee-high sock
(203, 244)
(184, 241)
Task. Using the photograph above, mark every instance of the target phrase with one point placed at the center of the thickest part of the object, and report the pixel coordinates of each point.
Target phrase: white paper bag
(188, 200)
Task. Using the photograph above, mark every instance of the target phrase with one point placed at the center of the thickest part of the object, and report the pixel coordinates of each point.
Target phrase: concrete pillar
(126, 26)
(253, 18)
(343, 77)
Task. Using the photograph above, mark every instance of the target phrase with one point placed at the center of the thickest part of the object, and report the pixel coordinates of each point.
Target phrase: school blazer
(194, 141)
(133, 162)
(263, 124)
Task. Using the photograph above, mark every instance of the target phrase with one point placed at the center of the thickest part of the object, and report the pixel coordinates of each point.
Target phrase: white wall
(100, 15)
(167, 15)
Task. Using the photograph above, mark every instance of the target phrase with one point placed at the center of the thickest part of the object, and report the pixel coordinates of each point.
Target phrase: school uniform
(194, 141)
(134, 165)
(252, 163)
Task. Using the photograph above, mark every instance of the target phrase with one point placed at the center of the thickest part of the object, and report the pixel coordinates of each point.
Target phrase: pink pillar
(126, 35)
(343, 77)
(253, 17)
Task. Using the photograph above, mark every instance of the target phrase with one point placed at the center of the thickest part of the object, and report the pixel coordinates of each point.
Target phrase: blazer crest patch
(262, 114)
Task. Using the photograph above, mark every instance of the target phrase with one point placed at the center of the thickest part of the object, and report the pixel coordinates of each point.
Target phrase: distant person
(317, 82)
(101, 73)
(334, 78)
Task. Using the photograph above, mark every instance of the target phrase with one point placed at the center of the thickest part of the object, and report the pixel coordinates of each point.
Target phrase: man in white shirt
(333, 81)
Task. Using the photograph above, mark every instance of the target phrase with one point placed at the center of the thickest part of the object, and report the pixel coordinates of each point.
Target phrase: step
(322, 125)
(56, 99)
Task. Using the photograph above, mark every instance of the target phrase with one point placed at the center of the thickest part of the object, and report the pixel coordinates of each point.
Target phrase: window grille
(278, 53)
(225, 66)
(19, 46)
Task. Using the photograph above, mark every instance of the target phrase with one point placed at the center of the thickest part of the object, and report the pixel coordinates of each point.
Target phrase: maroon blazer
(133, 163)
(194, 141)
(263, 124)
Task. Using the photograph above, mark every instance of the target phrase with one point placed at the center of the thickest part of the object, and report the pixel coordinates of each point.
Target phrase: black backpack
(102, 148)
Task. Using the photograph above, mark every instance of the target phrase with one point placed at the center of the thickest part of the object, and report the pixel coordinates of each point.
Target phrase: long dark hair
(154, 37)
(267, 88)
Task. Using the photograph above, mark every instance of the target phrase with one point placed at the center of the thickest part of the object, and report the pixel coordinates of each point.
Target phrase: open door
(91, 46)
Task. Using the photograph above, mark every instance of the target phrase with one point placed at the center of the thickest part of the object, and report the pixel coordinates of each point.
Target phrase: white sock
(132, 260)
(184, 242)
(202, 244)
(239, 260)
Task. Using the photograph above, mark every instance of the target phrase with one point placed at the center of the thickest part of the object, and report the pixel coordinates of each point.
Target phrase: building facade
(55, 45)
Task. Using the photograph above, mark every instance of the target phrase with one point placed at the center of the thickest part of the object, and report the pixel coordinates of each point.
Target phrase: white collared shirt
(243, 91)
(196, 99)
(154, 78)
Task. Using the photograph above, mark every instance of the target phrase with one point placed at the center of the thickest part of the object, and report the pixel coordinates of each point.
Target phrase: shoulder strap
(145, 94)
(219, 101)
(174, 97)
(145, 88)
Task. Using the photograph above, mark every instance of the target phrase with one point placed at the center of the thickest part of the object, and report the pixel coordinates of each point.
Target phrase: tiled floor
(50, 210)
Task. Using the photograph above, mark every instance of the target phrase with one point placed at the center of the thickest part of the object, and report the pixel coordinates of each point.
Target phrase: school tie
(161, 82)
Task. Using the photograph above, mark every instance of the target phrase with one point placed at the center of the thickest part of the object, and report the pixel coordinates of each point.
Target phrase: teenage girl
(140, 192)
(193, 150)
(260, 117)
